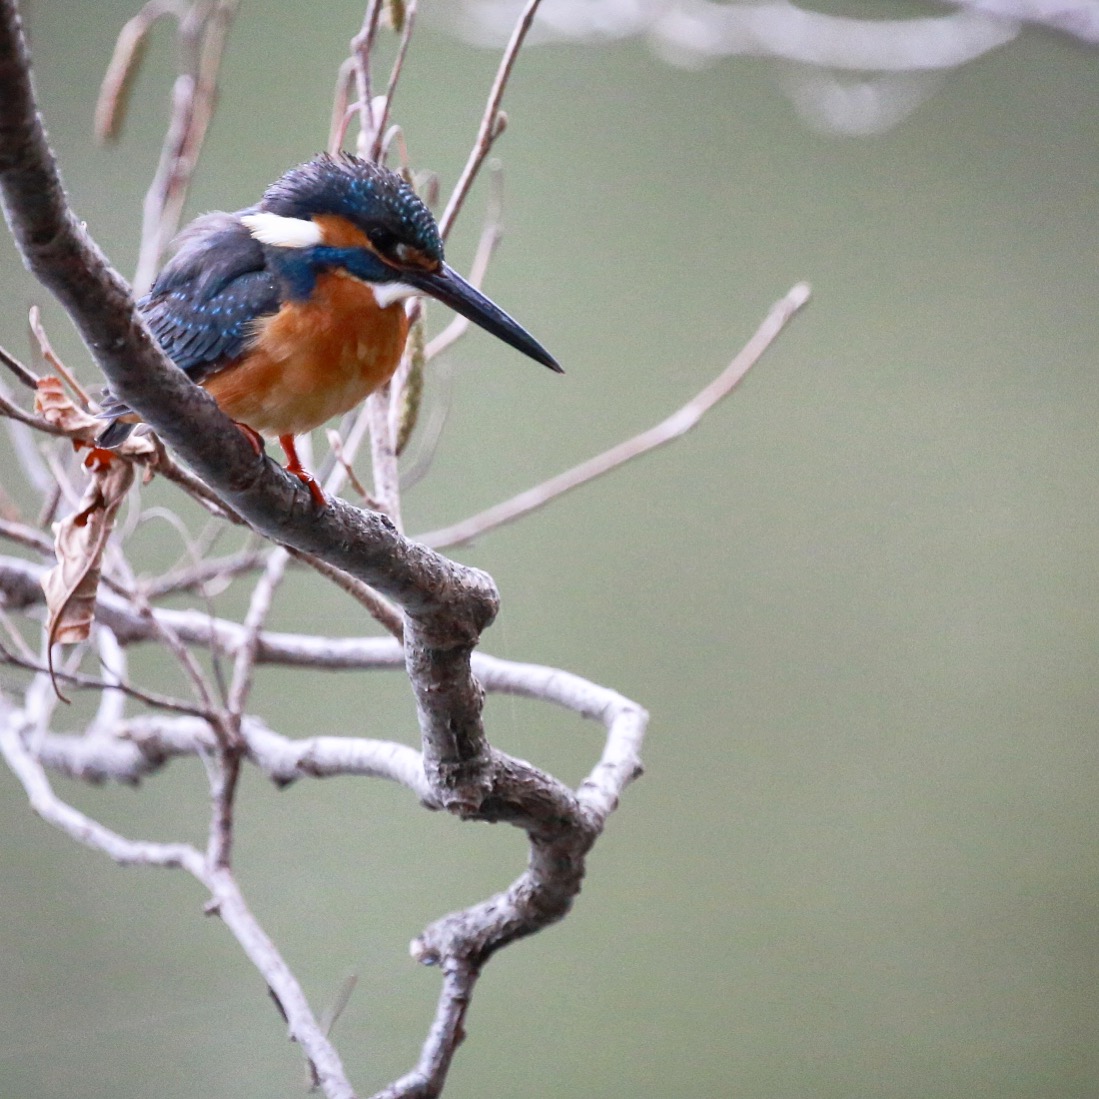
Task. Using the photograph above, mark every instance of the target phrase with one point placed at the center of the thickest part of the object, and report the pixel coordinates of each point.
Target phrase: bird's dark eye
(383, 240)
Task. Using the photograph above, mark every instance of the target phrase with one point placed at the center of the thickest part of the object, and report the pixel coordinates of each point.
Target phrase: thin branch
(259, 607)
(353, 432)
(112, 702)
(23, 373)
(16, 638)
(89, 682)
(380, 609)
(394, 76)
(195, 487)
(492, 122)
(203, 32)
(129, 51)
(223, 770)
(229, 904)
(184, 658)
(664, 432)
(143, 745)
(446, 1033)
(53, 359)
(188, 577)
(361, 47)
(335, 445)
(80, 827)
(383, 455)
(226, 901)
(27, 536)
(342, 109)
(10, 409)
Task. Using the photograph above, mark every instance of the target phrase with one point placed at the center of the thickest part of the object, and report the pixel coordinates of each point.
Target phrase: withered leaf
(53, 404)
(79, 541)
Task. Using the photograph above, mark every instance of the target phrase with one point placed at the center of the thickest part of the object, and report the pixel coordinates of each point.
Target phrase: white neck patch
(283, 232)
(387, 293)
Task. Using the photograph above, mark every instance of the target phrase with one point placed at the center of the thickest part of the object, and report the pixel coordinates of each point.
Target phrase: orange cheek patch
(338, 232)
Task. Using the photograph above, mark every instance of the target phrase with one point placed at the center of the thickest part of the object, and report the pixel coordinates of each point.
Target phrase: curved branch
(493, 120)
(226, 899)
(561, 824)
(668, 430)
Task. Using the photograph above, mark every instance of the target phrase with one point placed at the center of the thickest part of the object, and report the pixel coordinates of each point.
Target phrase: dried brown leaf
(79, 541)
(54, 405)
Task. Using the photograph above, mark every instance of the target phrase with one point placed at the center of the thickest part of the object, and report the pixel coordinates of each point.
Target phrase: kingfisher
(292, 311)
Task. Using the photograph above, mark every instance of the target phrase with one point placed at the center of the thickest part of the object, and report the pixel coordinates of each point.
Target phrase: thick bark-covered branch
(446, 605)
(284, 760)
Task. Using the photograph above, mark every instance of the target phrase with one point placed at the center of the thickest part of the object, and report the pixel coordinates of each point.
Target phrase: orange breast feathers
(313, 359)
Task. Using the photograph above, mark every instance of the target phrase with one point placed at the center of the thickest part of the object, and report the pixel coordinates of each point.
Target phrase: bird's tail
(119, 422)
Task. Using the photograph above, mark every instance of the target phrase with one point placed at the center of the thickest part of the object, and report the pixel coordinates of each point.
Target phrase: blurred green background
(860, 602)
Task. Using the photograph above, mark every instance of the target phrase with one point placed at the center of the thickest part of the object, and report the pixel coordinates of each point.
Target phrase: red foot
(294, 466)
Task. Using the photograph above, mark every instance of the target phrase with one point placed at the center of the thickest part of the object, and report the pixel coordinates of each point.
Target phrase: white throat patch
(386, 293)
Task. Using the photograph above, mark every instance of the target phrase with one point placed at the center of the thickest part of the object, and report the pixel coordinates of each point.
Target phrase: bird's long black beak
(447, 286)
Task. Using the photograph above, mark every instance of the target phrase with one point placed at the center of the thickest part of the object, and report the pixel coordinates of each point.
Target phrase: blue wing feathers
(202, 307)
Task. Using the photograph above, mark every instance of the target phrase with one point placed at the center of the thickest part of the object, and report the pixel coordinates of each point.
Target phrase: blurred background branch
(842, 74)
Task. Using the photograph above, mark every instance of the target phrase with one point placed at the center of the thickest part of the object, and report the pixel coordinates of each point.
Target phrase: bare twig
(80, 827)
(361, 47)
(342, 109)
(195, 487)
(223, 771)
(382, 121)
(89, 682)
(23, 373)
(197, 575)
(492, 122)
(259, 607)
(51, 357)
(674, 426)
(129, 51)
(380, 609)
(447, 1031)
(229, 904)
(203, 31)
(16, 638)
(10, 409)
(143, 745)
(112, 702)
(335, 443)
(26, 536)
(226, 900)
(383, 455)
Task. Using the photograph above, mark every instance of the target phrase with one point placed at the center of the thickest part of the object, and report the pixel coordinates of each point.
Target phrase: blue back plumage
(202, 307)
